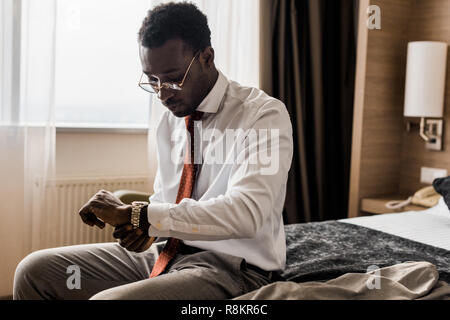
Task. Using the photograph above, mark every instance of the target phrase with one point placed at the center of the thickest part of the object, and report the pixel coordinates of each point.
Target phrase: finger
(131, 237)
(90, 218)
(121, 231)
(86, 215)
(145, 245)
(99, 223)
(97, 206)
(137, 243)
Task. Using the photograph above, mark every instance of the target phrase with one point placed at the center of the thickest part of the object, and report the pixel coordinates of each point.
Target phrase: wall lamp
(424, 90)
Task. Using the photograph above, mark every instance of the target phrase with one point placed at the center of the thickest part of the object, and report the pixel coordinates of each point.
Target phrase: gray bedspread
(320, 251)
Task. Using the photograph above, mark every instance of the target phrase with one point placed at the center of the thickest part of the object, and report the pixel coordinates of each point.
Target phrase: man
(214, 198)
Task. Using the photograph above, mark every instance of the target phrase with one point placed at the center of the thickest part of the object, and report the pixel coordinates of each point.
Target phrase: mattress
(431, 226)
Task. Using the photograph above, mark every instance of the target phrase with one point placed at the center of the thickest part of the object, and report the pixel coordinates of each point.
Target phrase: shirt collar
(212, 101)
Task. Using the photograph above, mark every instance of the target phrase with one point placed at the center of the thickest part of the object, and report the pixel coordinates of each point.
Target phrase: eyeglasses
(155, 86)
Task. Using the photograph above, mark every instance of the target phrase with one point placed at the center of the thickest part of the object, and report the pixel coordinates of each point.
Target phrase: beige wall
(77, 154)
(84, 154)
(12, 208)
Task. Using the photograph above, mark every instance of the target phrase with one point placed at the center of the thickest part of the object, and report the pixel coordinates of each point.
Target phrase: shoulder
(256, 105)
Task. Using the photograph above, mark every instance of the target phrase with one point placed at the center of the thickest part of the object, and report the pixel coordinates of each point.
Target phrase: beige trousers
(108, 271)
(404, 281)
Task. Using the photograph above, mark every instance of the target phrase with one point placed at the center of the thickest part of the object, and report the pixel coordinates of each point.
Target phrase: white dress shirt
(236, 206)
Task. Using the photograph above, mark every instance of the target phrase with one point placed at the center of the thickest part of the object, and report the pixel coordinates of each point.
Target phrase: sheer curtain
(28, 36)
(27, 143)
(234, 28)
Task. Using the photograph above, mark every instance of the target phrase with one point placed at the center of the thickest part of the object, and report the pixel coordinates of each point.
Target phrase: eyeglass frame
(166, 84)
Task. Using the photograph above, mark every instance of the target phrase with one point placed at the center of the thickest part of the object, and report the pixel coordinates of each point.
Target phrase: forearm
(225, 217)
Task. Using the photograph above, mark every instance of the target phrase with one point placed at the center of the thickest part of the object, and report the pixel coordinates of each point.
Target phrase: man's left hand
(135, 240)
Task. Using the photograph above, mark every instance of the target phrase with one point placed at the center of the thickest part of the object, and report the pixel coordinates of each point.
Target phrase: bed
(320, 251)
(331, 259)
(408, 254)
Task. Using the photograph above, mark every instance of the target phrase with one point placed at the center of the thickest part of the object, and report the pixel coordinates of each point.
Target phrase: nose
(164, 94)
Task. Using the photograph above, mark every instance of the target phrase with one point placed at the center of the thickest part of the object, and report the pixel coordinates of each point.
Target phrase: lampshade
(425, 79)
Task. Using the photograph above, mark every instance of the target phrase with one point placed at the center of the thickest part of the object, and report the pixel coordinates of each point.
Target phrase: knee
(109, 294)
(27, 272)
(31, 265)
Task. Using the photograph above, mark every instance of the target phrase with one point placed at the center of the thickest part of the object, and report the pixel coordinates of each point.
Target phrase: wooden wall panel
(430, 20)
(385, 158)
(377, 156)
(358, 111)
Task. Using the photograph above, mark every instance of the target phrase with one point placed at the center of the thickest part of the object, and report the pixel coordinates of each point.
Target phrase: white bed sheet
(431, 226)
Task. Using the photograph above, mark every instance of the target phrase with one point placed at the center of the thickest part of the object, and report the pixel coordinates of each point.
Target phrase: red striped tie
(184, 191)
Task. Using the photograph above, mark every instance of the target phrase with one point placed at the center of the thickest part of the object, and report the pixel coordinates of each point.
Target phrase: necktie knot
(195, 116)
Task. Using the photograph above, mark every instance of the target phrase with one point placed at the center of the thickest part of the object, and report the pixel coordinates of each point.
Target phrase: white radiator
(60, 223)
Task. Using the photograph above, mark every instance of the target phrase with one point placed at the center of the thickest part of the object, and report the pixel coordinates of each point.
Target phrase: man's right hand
(105, 207)
(135, 240)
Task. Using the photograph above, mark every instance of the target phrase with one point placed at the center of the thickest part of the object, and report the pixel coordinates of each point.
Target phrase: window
(96, 64)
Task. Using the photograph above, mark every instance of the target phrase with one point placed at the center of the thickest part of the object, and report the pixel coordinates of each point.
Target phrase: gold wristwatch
(136, 207)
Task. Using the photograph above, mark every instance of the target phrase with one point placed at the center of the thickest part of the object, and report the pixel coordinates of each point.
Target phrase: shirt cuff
(157, 213)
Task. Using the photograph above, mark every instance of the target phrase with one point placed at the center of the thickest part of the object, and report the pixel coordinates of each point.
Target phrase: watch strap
(136, 207)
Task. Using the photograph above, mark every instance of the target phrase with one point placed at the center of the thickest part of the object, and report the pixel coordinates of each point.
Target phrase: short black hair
(175, 20)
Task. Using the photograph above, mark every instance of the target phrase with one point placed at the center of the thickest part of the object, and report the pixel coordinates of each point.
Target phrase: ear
(206, 57)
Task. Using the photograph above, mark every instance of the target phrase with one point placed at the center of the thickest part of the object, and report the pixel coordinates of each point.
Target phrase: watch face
(139, 203)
